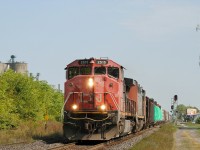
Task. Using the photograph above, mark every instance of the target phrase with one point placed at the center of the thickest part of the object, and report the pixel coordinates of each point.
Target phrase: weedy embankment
(30, 131)
(162, 139)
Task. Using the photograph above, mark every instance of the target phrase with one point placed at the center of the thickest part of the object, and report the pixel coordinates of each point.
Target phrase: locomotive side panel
(132, 95)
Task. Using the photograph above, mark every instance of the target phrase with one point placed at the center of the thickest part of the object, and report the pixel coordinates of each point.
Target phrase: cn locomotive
(101, 104)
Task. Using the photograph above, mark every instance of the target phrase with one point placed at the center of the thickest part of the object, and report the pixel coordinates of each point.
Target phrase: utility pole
(199, 60)
(198, 27)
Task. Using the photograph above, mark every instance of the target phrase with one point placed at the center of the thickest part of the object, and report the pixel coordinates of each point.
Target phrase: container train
(101, 104)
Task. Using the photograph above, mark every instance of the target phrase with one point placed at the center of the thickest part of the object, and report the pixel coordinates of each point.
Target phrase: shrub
(198, 120)
(22, 99)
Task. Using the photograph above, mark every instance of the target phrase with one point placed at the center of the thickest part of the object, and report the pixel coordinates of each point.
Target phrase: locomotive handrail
(62, 110)
(70, 93)
(113, 100)
(88, 118)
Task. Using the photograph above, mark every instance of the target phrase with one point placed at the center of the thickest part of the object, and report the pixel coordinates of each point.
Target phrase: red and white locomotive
(100, 103)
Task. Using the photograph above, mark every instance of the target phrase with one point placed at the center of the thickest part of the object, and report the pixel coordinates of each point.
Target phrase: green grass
(161, 139)
(192, 125)
(30, 131)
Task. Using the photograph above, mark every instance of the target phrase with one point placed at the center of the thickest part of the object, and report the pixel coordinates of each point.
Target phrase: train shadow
(50, 139)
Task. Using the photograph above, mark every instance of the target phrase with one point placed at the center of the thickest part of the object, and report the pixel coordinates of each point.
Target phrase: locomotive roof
(105, 62)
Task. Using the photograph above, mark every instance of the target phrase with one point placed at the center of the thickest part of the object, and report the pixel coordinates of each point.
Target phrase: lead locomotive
(100, 104)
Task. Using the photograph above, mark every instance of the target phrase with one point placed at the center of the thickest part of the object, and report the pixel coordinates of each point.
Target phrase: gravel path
(186, 139)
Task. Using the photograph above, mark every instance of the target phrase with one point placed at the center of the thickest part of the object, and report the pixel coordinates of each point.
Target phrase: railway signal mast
(174, 104)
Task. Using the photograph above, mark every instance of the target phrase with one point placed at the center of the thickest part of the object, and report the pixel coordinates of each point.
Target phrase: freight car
(154, 113)
(101, 104)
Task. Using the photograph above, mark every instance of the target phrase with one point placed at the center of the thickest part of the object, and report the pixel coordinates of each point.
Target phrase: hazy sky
(155, 40)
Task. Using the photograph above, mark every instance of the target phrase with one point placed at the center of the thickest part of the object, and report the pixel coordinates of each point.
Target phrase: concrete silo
(18, 67)
(3, 67)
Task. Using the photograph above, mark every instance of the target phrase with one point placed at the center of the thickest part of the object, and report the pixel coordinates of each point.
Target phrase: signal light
(175, 97)
(172, 107)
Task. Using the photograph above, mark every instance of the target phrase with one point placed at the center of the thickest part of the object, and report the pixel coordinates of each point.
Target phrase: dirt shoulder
(186, 139)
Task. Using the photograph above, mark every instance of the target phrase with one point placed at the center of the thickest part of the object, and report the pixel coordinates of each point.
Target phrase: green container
(157, 114)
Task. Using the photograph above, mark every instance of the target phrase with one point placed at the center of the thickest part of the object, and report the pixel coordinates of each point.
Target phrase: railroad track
(108, 144)
(125, 142)
(75, 146)
(130, 140)
(70, 145)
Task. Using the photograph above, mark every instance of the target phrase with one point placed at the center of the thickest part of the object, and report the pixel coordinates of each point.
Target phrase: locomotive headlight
(103, 107)
(74, 107)
(90, 82)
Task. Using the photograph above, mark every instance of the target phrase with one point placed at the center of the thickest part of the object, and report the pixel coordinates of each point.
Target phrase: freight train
(101, 104)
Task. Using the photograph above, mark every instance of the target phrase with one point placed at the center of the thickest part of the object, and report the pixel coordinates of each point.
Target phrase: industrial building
(18, 67)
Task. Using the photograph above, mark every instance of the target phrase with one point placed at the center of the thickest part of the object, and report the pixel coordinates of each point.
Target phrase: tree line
(182, 112)
(22, 98)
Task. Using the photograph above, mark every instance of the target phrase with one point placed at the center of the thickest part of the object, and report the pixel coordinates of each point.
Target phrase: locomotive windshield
(73, 71)
(99, 70)
(113, 71)
(85, 70)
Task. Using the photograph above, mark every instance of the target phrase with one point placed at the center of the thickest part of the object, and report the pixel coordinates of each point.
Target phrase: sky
(155, 40)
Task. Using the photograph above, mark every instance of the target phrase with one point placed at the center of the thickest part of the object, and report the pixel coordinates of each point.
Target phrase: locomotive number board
(87, 62)
(84, 62)
(101, 62)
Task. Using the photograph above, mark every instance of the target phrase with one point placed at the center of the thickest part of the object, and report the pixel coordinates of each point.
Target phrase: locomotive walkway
(186, 138)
